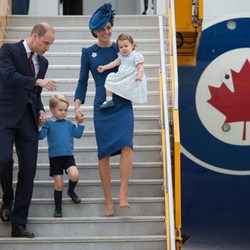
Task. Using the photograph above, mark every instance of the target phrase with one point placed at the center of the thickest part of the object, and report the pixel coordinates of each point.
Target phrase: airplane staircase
(83, 226)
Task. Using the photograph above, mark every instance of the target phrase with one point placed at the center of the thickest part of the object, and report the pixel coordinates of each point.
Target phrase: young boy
(60, 134)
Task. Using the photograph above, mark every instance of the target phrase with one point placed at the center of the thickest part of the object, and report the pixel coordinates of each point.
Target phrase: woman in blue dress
(114, 127)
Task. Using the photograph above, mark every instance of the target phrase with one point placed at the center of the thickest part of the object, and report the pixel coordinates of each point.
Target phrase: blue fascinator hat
(101, 16)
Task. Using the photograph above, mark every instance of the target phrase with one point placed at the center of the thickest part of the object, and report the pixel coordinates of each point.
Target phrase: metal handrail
(176, 127)
(168, 185)
(171, 9)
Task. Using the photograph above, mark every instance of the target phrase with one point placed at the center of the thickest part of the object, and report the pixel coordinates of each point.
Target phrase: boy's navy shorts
(60, 163)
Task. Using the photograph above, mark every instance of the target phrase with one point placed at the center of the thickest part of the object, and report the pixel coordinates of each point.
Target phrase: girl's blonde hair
(125, 36)
(54, 100)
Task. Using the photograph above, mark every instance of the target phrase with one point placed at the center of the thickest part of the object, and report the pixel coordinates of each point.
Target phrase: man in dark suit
(22, 72)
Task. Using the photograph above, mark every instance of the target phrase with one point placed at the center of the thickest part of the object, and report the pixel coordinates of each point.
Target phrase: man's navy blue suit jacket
(17, 85)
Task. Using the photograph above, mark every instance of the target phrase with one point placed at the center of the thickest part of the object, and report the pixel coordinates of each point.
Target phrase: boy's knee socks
(71, 186)
(58, 199)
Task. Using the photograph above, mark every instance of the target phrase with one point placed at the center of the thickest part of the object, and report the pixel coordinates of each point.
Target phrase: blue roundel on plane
(214, 98)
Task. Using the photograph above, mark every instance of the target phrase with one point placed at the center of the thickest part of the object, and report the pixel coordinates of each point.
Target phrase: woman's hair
(94, 32)
(54, 100)
(125, 36)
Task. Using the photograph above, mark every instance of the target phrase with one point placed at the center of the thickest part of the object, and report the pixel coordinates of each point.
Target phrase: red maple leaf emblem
(234, 105)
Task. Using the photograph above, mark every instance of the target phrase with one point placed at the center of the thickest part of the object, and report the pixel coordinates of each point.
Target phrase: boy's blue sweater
(60, 136)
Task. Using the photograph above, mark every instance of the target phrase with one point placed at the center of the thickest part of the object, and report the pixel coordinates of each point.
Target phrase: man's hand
(47, 84)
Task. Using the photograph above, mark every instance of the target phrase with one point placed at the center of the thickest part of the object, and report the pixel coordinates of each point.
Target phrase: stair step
(66, 84)
(93, 188)
(141, 170)
(75, 57)
(141, 137)
(72, 71)
(81, 21)
(92, 226)
(76, 45)
(144, 122)
(152, 97)
(138, 110)
(138, 242)
(73, 32)
(89, 154)
(139, 206)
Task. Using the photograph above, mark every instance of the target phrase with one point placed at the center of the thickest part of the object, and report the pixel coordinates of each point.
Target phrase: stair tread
(95, 219)
(92, 165)
(83, 238)
(89, 93)
(77, 66)
(92, 81)
(80, 53)
(94, 182)
(81, 41)
(135, 107)
(91, 148)
(81, 29)
(100, 200)
(136, 132)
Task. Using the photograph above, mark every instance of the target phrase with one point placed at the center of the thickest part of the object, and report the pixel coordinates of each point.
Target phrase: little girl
(129, 81)
(60, 136)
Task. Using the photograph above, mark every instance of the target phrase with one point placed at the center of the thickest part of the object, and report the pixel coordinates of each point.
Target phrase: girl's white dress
(123, 82)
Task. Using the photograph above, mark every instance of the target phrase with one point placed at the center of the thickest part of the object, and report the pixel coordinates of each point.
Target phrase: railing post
(5, 10)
